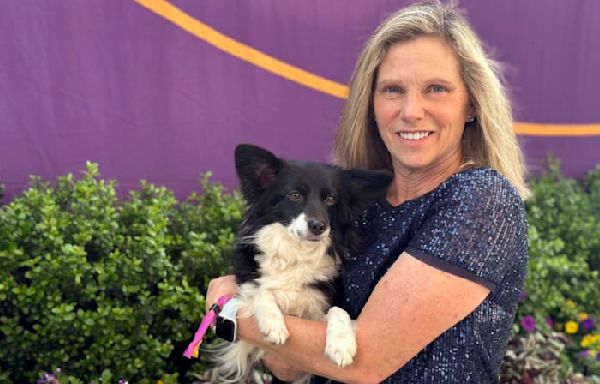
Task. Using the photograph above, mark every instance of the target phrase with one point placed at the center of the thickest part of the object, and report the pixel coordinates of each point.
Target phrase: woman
(434, 296)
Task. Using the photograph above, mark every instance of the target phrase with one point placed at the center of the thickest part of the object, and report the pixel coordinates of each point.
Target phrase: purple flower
(522, 296)
(584, 354)
(588, 324)
(549, 322)
(528, 323)
(47, 378)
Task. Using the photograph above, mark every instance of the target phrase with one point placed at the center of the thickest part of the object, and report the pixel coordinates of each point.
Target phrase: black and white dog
(299, 227)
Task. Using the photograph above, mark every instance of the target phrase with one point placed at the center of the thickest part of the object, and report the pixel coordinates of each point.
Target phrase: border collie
(299, 227)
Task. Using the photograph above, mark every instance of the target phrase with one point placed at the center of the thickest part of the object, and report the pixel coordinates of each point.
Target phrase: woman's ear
(471, 114)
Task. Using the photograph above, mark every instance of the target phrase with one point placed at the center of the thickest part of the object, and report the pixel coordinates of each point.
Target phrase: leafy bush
(564, 241)
(102, 288)
(591, 185)
(202, 231)
(106, 289)
(562, 288)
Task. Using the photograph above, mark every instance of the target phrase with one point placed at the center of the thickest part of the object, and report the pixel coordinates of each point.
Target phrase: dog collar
(207, 321)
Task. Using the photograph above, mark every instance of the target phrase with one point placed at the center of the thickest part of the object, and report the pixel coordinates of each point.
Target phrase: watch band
(227, 321)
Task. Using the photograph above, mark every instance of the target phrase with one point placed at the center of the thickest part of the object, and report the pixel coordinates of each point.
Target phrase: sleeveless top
(472, 225)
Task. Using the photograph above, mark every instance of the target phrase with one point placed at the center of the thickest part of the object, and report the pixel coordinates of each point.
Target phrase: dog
(299, 227)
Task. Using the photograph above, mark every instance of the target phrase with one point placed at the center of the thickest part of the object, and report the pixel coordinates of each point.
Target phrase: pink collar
(208, 320)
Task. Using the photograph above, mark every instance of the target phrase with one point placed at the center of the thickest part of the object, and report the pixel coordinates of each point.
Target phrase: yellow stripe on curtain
(290, 72)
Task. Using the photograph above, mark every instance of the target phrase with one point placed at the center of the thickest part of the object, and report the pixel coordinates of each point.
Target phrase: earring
(470, 119)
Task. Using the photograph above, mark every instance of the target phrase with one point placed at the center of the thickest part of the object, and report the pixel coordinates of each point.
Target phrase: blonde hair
(488, 141)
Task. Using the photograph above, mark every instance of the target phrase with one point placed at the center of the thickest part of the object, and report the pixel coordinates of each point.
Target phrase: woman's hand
(226, 285)
(281, 369)
(220, 286)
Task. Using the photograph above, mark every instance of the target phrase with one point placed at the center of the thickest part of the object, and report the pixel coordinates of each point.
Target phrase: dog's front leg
(340, 339)
(269, 317)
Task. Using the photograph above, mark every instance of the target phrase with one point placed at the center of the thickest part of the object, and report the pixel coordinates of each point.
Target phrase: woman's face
(421, 104)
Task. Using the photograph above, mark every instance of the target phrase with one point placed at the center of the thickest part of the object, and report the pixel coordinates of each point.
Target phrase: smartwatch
(226, 321)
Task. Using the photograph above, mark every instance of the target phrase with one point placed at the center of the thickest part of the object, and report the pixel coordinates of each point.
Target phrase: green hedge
(104, 289)
(562, 289)
(107, 289)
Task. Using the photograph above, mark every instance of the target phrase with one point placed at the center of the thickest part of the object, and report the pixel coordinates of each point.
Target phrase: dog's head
(308, 198)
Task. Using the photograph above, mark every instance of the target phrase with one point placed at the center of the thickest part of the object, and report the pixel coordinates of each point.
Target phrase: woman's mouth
(414, 135)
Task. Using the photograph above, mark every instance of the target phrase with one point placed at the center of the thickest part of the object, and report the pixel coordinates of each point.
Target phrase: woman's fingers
(220, 286)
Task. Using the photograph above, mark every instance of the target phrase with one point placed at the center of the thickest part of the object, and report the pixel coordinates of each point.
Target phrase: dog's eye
(329, 200)
(294, 196)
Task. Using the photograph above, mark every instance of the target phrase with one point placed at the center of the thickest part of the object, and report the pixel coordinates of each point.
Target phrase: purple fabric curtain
(112, 82)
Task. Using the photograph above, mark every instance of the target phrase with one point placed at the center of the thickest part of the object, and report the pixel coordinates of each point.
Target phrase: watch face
(225, 329)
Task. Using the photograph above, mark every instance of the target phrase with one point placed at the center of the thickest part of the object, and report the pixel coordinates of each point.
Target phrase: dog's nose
(316, 227)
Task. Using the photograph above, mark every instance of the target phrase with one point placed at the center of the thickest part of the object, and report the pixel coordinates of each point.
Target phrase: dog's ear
(365, 184)
(257, 170)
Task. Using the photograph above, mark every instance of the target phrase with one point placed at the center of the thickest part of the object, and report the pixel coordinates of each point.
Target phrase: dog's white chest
(289, 268)
(282, 256)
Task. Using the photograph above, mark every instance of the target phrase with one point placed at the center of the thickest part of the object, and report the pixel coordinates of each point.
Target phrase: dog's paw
(340, 343)
(274, 330)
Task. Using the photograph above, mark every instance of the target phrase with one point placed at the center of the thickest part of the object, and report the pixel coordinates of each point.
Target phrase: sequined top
(472, 225)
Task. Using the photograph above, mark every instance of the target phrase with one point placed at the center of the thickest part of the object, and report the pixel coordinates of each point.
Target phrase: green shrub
(562, 285)
(563, 242)
(592, 187)
(108, 289)
(102, 288)
(202, 231)
(1, 193)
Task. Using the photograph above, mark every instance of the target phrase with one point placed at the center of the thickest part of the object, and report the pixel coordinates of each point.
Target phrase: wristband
(227, 321)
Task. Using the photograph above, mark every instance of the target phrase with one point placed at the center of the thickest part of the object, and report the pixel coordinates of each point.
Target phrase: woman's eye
(294, 196)
(329, 200)
(391, 91)
(437, 89)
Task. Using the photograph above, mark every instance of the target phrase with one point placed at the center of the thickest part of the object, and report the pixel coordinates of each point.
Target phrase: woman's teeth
(414, 136)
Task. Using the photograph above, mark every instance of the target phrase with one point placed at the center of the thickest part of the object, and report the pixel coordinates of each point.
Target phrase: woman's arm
(410, 306)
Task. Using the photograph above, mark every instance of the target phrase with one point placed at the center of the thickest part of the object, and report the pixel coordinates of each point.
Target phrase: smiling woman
(429, 70)
(421, 105)
(435, 292)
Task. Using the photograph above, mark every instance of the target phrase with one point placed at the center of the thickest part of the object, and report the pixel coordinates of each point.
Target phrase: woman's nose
(412, 107)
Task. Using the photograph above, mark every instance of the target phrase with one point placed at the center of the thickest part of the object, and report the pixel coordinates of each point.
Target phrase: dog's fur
(299, 227)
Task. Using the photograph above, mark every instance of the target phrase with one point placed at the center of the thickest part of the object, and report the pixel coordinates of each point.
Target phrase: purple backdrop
(111, 82)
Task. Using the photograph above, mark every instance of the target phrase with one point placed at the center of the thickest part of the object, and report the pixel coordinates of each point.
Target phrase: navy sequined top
(472, 225)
